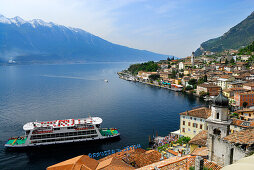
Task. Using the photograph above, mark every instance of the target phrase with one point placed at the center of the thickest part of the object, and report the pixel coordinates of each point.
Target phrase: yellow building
(186, 72)
(246, 114)
(228, 93)
(192, 122)
(178, 81)
(198, 141)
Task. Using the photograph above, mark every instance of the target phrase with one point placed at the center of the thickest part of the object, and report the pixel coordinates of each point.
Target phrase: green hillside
(240, 35)
(247, 50)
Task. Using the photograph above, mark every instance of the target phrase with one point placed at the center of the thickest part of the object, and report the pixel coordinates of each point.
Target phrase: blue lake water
(50, 92)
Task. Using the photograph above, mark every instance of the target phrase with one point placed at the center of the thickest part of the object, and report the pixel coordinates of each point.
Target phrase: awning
(177, 132)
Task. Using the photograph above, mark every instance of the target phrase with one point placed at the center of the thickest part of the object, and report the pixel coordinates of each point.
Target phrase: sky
(173, 27)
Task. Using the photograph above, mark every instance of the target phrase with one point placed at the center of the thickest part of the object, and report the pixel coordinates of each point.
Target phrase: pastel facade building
(193, 121)
(210, 88)
(247, 97)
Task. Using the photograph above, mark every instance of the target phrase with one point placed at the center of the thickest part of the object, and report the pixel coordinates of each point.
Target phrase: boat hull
(9, 146)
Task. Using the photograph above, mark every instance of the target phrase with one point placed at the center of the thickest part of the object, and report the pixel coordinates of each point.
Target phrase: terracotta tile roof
(172, 152)
(242, 123)
(209, 85)
(163, 163)
(200, 138)
(79, 162)
(203, 151)
(245, 136)
(251, 84)
(143, 159)
(202, 112)
(225, 76)
(245, 110)
(113, 164)
(123, 154)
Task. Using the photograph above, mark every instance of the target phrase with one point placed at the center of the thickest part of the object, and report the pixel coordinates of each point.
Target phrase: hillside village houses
(222, 132)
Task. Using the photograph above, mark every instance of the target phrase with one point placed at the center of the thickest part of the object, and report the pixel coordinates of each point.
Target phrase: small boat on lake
(62, 131)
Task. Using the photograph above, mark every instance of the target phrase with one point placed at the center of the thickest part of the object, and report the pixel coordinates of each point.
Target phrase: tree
(188, 88)
(201, 81)
(154, 77)
(205, 78)
(192, 82)
(173, 74)
(181, 75)
(245, 104)
(149, 66)
(232, 61)
(202, 94)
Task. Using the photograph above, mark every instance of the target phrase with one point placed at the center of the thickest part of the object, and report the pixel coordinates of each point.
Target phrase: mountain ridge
(238, 36)
(40, 41)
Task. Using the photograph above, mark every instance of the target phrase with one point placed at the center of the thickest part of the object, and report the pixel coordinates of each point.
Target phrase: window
(201, 126)
(188, 123)
(190, 118)
(183, 122)
(183, 117)
(183, 129)
(195, 119)
(218, 116)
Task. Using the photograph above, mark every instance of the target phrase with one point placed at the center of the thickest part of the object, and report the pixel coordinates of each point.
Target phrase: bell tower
(192, 59)
(218, 123)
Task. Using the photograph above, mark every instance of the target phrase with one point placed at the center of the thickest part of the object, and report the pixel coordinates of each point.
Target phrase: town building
(244, 97)
(249, 86)
(246, 114)
(224, 81)
(193, 121)
(238, 125)
(198, 141)
(145, 75)
(209, 88)
(225, 148)
(235, 84)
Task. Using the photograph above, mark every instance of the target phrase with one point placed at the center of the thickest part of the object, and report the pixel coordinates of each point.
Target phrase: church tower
(192, 59)
(218, 123)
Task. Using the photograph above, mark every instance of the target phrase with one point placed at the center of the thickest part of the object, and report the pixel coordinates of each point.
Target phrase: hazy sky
(174, 27)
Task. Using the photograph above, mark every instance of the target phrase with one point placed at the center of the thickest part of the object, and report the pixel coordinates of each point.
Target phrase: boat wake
(72, 77)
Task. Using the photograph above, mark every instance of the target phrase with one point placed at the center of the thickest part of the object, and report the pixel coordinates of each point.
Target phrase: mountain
(38, 41)
(240, 35)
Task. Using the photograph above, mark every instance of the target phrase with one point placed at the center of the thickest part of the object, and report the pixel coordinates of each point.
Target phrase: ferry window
(56, 128)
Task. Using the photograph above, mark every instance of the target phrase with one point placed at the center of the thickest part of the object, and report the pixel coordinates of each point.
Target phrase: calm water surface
(49, 92)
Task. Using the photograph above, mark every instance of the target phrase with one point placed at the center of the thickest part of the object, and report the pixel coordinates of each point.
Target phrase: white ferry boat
(62, 131)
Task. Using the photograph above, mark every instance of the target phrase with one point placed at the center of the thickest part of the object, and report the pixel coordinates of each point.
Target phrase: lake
(50, 92)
